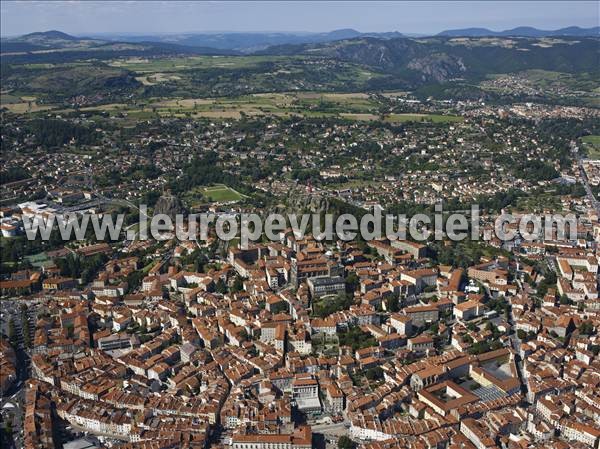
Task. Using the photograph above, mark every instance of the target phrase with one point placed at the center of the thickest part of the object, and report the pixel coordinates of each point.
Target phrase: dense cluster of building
(169, 344)
(412, 353)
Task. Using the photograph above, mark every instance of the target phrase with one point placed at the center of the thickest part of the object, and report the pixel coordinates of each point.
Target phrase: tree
(221, 287)
(392, 303)
(586, 328)
(327, 305)
(25, 324)
(352, 282)
(374, 373)
(70, 329)
(86, 268)
(9, 428)
(493, 330)
(238, 284)
(356, 338)
(52, 133)
(134, 280)
(12, 335)
(564, 300)
(13, 174)
(345, 442)
(197, 258)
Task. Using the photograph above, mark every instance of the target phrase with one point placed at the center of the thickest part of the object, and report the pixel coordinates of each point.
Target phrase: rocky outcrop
(169, 205)
(438, 67)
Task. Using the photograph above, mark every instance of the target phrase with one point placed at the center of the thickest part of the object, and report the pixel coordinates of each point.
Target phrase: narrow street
(12, 403)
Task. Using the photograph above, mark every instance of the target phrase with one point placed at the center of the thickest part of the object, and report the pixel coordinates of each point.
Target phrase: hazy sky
(86, 17)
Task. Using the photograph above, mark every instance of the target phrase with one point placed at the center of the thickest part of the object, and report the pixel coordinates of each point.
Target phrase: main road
(584, 178)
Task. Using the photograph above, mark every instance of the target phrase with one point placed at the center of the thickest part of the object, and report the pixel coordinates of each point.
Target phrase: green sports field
(221, 194)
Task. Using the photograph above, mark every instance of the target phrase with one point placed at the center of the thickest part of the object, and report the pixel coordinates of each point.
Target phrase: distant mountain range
(248, 42)
(418, 60)
(251, 42)
(205, 43)
(522, 32)
(58, 41)
(239, 43)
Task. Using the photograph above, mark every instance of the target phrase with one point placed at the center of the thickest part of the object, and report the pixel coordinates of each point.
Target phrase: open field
(274, 102)
(156, 78)
(25, 107)
(21, 104)
(354, 184)
(539, 203)
(40, 260)
(399, 118)
(482, 42)
(395, 94)
(335, 102)
(591, 140)
(6, 98)
(591, 145)
(351, 106)
(435, 118)
(177, 64)
(346, 106)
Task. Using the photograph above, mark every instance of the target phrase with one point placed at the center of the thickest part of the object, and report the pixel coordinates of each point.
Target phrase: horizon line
(175, 33)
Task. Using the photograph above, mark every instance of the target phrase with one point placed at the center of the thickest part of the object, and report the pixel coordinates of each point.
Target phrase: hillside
(43, 36)
(114, 71)
(442, 59)
(53, 46)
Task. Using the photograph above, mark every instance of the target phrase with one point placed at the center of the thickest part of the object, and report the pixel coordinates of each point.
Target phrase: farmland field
(351, 106)
(398, 118)
(21, 105)
(435, 118)
(144, 65)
